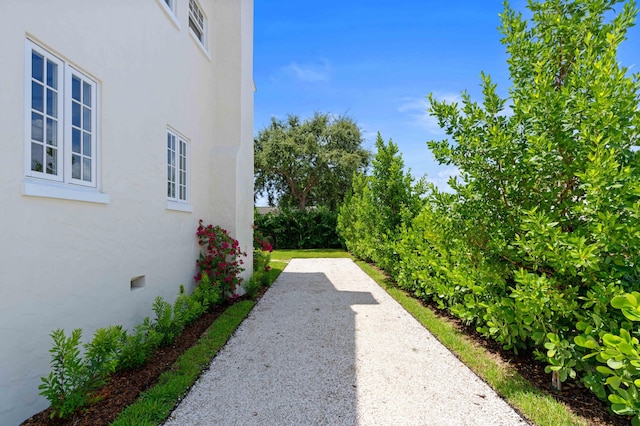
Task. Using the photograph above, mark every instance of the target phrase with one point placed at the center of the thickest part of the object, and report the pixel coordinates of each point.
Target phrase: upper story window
(61, 137)
(197, 21)
(170, 8)
(177, 168)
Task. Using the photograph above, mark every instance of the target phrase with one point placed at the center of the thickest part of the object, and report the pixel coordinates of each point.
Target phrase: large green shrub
(378, 206)
(541, 235)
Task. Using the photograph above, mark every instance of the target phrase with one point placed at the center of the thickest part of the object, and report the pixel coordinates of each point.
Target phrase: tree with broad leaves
(301, 163)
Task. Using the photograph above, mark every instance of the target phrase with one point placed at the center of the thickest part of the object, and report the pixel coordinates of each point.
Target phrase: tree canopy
(311, 162)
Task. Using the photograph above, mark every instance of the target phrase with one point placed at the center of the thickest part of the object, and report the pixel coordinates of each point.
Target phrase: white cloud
(309, 73)
(441, 179)
(417, 110)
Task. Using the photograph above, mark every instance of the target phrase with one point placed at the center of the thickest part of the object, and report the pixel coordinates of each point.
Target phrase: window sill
(200, 45)
(170, 14)
(37, 188)
(179, 207)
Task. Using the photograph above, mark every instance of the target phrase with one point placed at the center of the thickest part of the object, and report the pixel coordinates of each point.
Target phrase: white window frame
(170, 8)
(82, 128)
(198, 19)
(178, 177)
(63, 182)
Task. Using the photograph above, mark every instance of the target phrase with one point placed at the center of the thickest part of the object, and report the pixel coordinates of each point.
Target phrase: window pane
(75, 88)
(52, 74)
(37, 66)
(37, 123)
(75, 114)
(195, 29)
(36, 157)
(37, 96)
(75, 166)
(86, 144)
(52, 132)
(52, 161)
(86, 93)
(75, 141)
(86, 119)
(171, 190)
(86, 169)
(52, 103)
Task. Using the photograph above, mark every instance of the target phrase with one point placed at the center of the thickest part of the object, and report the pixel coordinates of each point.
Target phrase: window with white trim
(61, 137)
(177, 168)
(170, 4)
(197, 21)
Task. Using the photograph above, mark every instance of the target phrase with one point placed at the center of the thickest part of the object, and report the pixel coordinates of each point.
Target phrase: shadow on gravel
(291, 362)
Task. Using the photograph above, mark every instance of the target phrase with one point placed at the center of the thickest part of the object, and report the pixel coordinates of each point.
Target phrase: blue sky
(376, 61)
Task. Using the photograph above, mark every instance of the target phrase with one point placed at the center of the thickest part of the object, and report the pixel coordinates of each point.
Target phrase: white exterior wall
(68, 264)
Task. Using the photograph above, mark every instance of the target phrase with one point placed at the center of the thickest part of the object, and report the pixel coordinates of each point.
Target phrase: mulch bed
(125, 386)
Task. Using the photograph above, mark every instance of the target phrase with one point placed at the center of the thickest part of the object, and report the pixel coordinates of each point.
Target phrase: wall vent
(138, 282)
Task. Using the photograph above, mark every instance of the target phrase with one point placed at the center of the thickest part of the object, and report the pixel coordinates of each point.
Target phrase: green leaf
(605, 370)
(615, 364)
(613, 381)
(621, 409)
(617, 399)
(611, 340)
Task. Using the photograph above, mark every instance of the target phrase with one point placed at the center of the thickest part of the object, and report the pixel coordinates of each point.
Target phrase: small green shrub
(102, 354)
(74, 377)
(262, 250)
(65, 385)
(137, 347)
(206, 293)
(187, 308)
(167, 324)
(252, 286)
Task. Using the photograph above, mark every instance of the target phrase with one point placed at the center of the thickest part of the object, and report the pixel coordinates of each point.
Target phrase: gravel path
(327, 346)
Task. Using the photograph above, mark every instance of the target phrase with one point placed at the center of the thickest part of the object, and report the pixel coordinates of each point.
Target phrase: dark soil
(123, 389)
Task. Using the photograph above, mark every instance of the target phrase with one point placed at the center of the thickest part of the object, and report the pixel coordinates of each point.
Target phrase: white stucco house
(125, 122)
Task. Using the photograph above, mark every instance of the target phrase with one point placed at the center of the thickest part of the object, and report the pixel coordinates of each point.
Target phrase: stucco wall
(68, 264)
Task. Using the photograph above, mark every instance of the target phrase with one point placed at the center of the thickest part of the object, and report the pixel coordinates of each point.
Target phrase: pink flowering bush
(221, 258)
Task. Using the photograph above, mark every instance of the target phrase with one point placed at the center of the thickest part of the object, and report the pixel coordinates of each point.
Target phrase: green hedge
(538, 245)
(299, 229)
